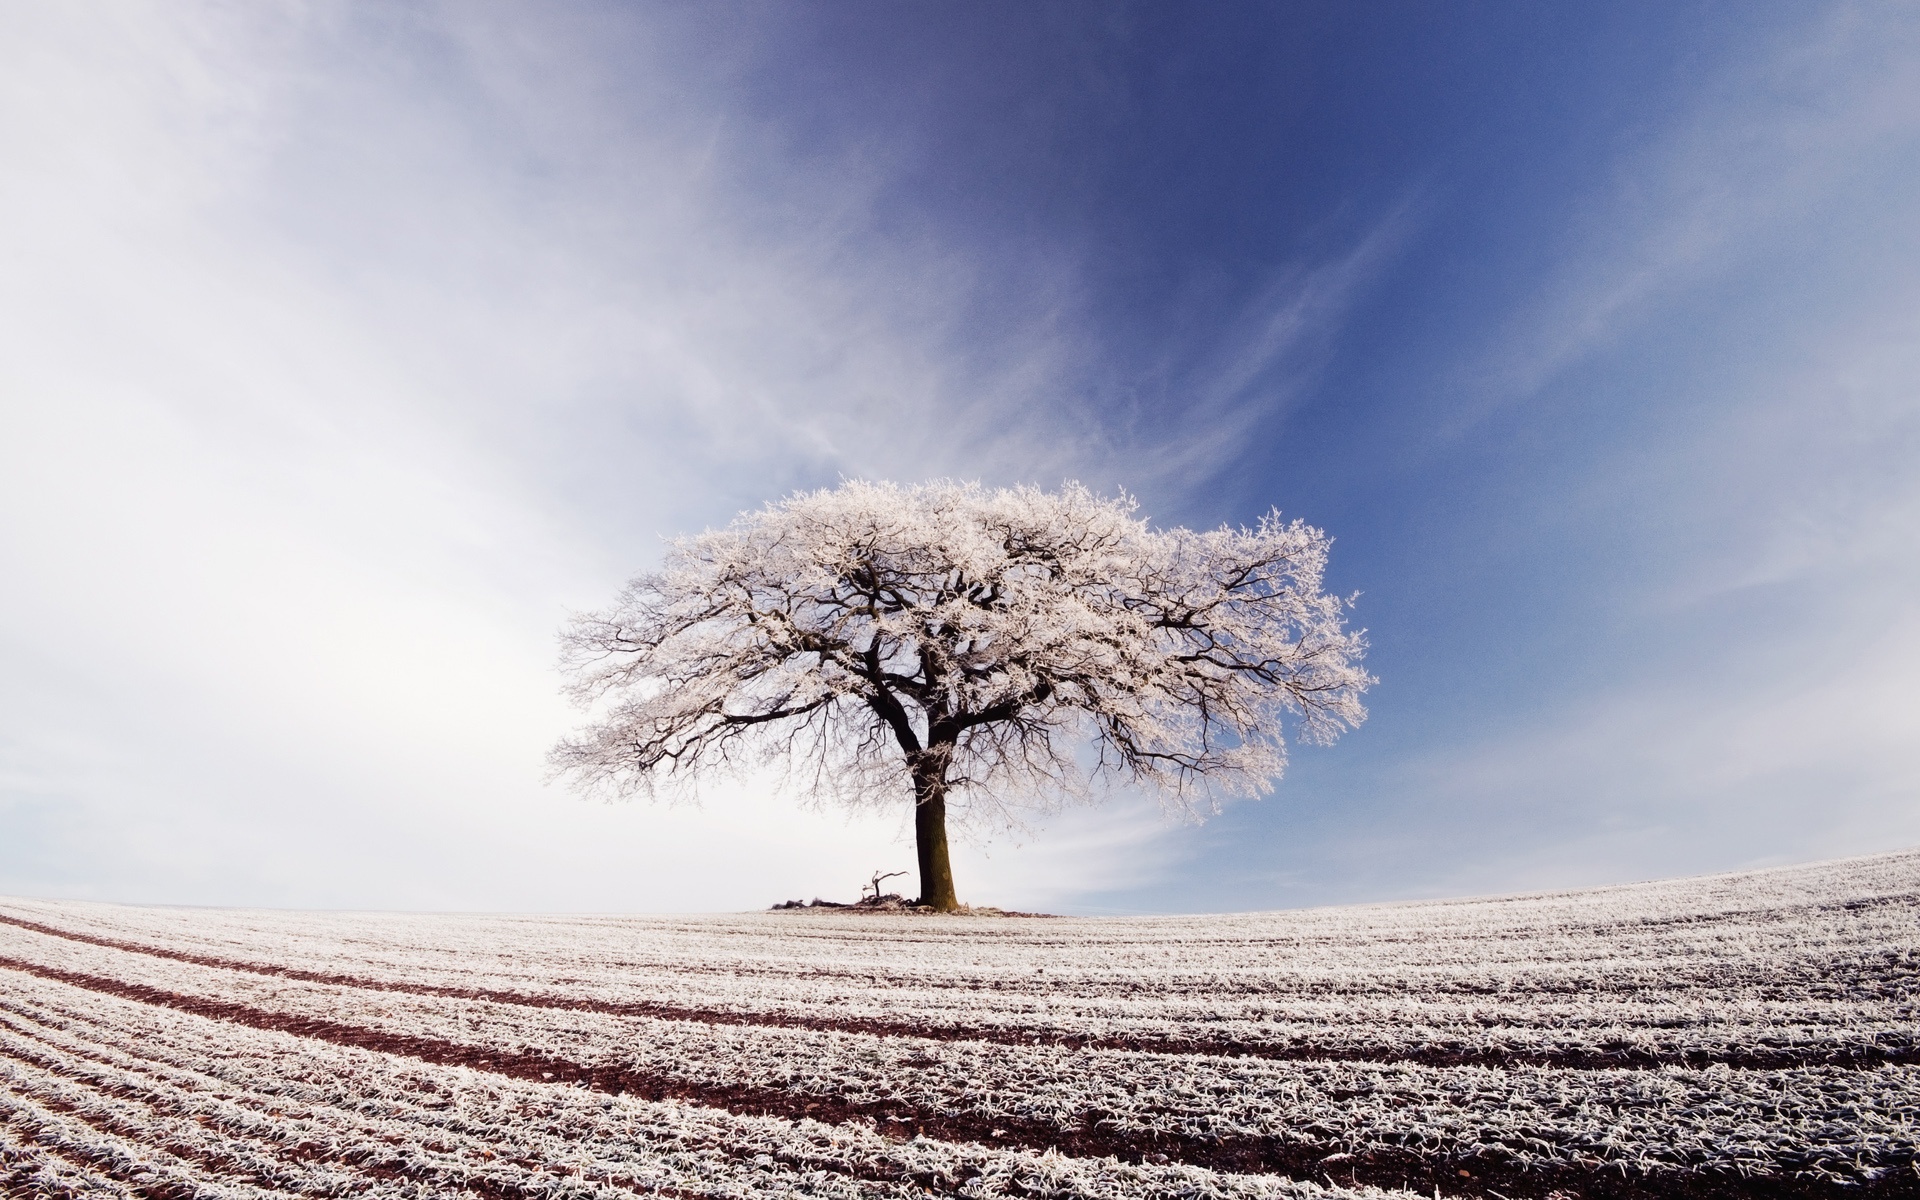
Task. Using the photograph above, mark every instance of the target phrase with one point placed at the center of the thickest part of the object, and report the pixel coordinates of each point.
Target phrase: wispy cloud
(1262, 363)
(349, 347)
(1746, 688)
(327, 394)
(1785, 135)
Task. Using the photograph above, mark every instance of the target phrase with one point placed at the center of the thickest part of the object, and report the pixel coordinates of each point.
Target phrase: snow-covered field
(1739, 1035)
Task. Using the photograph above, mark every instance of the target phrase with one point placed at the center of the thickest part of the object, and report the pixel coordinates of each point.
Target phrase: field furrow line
(1897, 1043)
(718, 1153)
(327, 1150)
(160, 1119)
(312, 1124)
(1437, 1137)
(148, 1168)
(1472, 1049)
(1043, 1092)
(30, 1169)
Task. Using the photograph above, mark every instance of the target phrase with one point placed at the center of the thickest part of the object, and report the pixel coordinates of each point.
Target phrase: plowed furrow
(1890, 1049)
(1469, 1173)
(593, 1139)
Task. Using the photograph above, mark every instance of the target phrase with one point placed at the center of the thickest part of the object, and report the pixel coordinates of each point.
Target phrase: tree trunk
(930, 832)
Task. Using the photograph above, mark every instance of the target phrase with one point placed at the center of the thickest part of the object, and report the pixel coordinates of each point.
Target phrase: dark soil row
(1449, 1174)
(1606, 1058)
(390, 1168)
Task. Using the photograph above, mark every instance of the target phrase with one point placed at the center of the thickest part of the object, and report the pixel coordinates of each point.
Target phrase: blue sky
(348, 347)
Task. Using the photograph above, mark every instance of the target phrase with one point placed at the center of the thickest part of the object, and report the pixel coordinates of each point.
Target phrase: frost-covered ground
(1741, 1035)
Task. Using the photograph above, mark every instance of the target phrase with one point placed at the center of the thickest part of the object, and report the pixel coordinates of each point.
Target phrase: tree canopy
(997, 648)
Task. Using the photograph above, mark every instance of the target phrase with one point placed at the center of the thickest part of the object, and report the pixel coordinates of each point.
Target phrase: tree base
(899, 906)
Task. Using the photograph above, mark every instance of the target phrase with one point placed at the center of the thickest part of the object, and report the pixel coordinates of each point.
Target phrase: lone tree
(994, 648)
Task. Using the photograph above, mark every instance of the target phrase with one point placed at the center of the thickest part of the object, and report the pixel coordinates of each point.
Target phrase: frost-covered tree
(992, 649)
